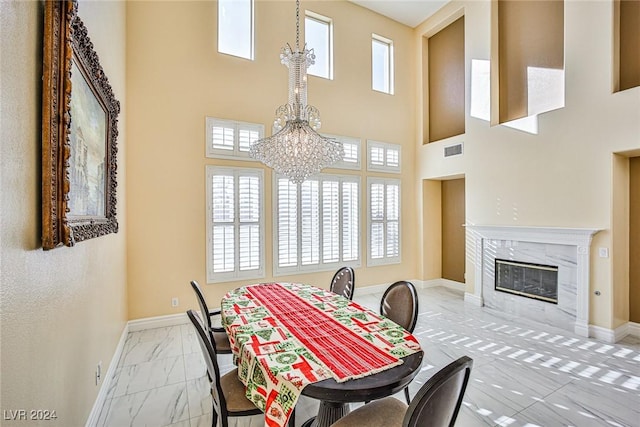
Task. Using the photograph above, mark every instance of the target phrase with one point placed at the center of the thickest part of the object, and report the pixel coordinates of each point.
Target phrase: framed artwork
(79, 133)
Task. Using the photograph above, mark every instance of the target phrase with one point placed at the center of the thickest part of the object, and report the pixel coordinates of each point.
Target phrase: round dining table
(335, 397)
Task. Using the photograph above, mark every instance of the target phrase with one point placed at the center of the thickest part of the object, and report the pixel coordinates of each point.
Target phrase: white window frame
(237, 274)
(236, 152)
(252, 35)
(320, 266)
(353, 163)
(329, 23)
(389, 67)
(386, 147)
(385, 260)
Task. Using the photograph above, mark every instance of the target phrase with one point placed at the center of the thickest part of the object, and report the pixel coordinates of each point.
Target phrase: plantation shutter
(287, 223)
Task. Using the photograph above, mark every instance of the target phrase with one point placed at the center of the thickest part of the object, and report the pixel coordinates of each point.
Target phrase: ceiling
(408, 12)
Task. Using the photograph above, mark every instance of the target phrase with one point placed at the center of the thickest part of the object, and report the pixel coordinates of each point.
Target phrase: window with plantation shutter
(235, 224)
(383, 221)
(316, 223)
(383, 157)
(230, 139)
(351, 159)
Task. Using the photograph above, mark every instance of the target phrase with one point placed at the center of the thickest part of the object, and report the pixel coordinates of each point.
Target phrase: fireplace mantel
(580, 238)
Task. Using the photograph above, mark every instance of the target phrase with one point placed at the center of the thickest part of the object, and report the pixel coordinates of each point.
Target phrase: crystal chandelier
(296, 150)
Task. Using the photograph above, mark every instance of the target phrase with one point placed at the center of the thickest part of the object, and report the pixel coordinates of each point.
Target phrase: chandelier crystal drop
(297, 150)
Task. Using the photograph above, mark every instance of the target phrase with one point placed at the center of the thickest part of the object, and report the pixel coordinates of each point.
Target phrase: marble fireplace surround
(577, 238)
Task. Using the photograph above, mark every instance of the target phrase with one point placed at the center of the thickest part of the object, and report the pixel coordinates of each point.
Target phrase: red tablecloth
(287, 335)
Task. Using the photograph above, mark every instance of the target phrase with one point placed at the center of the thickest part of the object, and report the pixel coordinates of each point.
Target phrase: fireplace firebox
(537, 281)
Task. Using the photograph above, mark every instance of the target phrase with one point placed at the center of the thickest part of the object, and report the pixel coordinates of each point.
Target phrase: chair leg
(406, 394)
(292, 419)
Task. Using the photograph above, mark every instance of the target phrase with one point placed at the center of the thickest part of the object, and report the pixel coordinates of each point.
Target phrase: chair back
(343, 282)
(209, 353)
(438, 401)
(204, 310)
(400, 304)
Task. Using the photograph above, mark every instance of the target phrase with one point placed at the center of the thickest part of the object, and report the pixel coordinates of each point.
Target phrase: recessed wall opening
(537, 281)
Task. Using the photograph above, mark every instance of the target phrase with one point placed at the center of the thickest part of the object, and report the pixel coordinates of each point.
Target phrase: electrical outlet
(99, 372)
(175, 302)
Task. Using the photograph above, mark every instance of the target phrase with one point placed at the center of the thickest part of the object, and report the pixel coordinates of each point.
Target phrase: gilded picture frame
(79, 134)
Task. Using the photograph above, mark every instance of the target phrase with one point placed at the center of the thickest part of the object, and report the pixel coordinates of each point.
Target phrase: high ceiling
(408, 12)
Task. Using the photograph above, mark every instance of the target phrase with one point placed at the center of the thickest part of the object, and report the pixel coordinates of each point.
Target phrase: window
(351, 159)
(229, 139)
(318, 33)
(382, 64)
(235, 224)
(235, 28)
(316, 223)
(383, 157)
(383, 221)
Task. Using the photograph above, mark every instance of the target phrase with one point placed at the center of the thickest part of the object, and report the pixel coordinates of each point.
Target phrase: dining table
(292, 339)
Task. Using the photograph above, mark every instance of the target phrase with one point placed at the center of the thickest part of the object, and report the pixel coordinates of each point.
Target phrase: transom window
(383, 221)
(235, 28)
(318, 33)
(316, 223)
(230, 139)
(235, 224)
(351, 159)
(382, 64)
(383, 156)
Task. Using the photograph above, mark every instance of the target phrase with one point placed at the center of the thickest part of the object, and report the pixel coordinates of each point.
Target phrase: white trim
(614, 335)
(329, 23)
(384, 260)
(633, 329)
(341, 164)
(158, 322)
(385, 146)
(321, 265)
(452, 284)
(578, 237)
(473, 299)
(602, 334)
(236, 274)
(235, 153)
(432, 283)
(98, 405)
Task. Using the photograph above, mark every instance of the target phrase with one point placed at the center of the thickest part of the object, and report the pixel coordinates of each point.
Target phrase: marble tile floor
(525, 374)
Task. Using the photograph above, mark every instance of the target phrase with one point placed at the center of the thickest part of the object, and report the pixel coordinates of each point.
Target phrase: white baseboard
(158, 322)
(473, 299)
(94, 415)
(451, 284)
(420, 284)
(614, 335)
(634, 329)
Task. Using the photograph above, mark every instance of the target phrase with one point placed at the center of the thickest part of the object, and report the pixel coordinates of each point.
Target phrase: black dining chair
(400, 304)
(227, 391)
(436, 404)
(344, 282)
(217, 335)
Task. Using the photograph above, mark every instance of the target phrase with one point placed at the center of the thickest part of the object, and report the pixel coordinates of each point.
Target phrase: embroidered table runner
(285, 336)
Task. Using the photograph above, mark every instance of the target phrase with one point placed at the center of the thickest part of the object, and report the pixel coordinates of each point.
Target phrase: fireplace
(567, 248)
(537, 281)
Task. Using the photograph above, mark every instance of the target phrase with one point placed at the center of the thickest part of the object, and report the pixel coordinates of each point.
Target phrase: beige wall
(634, 239)
(176, 77)
(62, 311)
(453, 231)
(561, 177)
(445, 63)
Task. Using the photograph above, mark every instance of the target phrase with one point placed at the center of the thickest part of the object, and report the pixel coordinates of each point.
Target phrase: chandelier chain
(298, 24)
